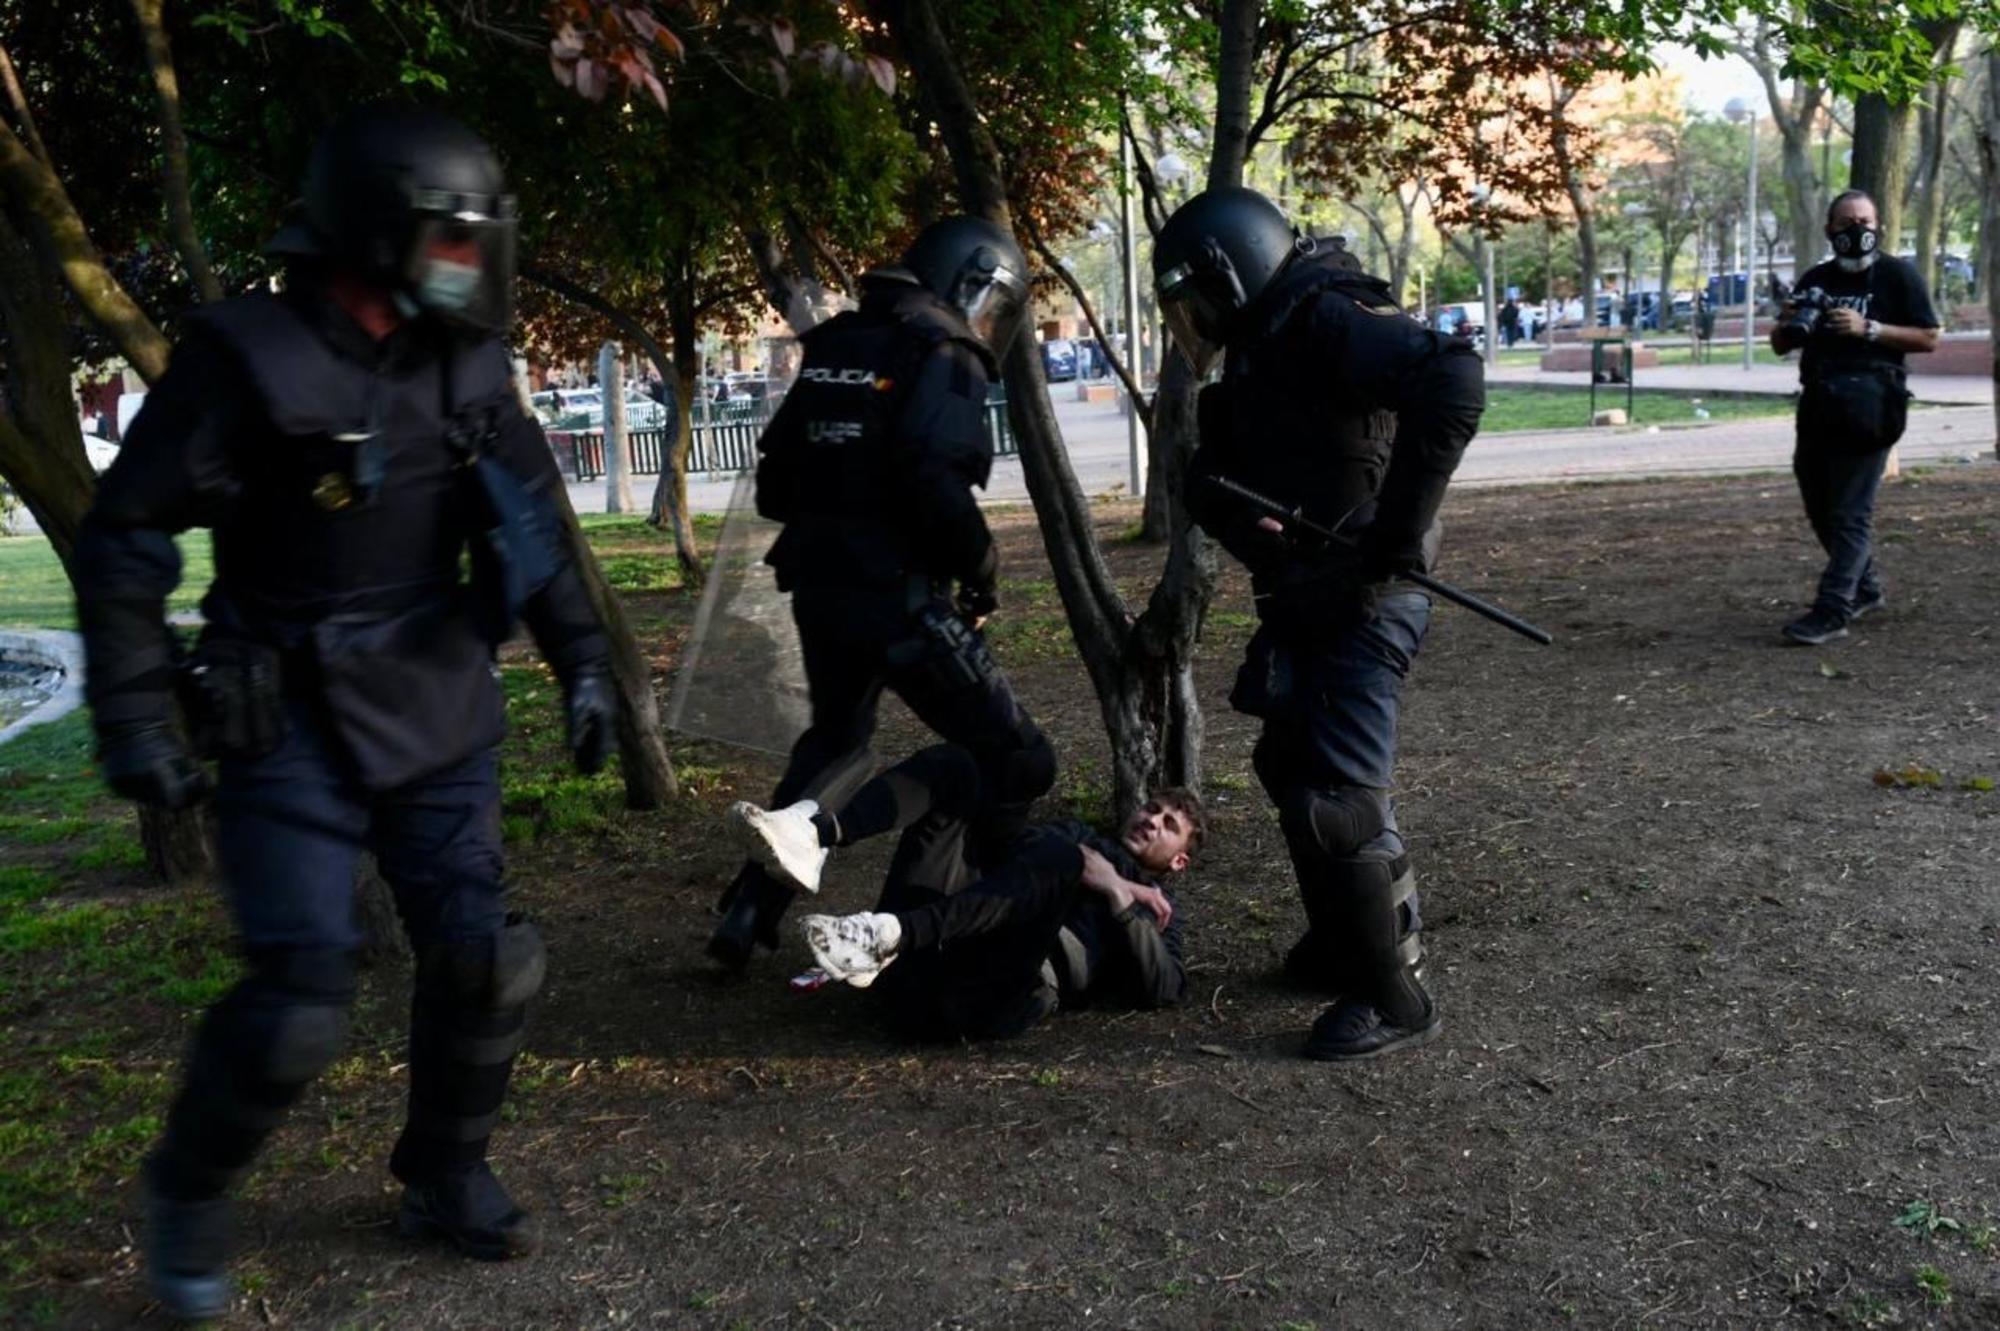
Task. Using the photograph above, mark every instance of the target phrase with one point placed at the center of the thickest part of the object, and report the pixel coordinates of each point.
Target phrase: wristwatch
(1871, 330)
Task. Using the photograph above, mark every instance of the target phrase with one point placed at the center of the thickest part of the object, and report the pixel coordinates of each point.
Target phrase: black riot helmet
(1214, 256)
(416, 201)
(974, 266)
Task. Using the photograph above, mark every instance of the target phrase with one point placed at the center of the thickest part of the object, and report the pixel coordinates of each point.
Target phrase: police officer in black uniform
(348, 441)
(870, 464)
(1336, 404)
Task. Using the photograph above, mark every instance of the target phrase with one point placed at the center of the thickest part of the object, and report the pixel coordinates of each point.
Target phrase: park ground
(1712, 921)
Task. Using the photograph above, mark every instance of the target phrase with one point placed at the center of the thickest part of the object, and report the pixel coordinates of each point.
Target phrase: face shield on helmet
(993, 298)
(1197, 304)
(460, 261)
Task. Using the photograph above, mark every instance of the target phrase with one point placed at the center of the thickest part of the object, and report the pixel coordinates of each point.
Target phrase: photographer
(1855, 316)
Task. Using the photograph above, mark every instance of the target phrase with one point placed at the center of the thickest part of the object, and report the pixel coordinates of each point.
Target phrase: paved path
(1095, 433)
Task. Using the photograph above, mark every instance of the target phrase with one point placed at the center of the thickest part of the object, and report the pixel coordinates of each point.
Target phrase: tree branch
(18, 101)
(173, 150)
(29, 186)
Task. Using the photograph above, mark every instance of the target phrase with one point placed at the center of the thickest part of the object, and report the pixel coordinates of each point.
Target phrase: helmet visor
(993, 304)
(461, 260)
(1194, 317)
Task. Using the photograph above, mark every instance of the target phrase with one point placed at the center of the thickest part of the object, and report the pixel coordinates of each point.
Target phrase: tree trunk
(1669, 252)
(617, 439)
(1235, 70)
(1805, 197)
(793, 293)
(1577, 187)
(1989, 217)
(375, 913)
(1933, 123)
(1880, 164)
(669, 508)
(642, 745)
(173, 150)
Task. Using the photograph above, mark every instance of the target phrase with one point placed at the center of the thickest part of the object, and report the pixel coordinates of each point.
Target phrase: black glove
(1384, 555)
(1312, 600)
(976, 603)
(591, 700)
(148, 763)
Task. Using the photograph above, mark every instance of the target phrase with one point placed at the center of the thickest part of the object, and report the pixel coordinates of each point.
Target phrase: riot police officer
(348, 441)
(1335, 404)
(870, 465)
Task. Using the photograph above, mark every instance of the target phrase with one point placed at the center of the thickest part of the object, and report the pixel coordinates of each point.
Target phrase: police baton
(1273, 508)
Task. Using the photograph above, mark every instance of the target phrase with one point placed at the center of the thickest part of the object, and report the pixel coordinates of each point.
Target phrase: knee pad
(289, 1017)
(1332, 823)
(498, 972)
(1027, 771)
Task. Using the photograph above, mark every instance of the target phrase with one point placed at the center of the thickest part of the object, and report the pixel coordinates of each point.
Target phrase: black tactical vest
(839, 427)
(1294, 440)
(345, 547)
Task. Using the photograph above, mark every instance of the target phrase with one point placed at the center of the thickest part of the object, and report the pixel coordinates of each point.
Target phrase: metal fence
(725, 441)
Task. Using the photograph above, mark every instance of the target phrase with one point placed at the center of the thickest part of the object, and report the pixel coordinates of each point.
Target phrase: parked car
(583, 409)
(1059, 360)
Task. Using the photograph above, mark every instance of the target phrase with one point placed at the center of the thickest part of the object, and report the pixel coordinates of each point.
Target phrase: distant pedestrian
(1855, 316)
(1510, 321)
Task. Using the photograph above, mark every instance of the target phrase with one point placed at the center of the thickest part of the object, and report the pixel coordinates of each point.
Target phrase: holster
(232, 690)
(944, 648)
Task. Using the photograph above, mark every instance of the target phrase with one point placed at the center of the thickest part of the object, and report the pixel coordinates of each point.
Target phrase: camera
(1807, 308)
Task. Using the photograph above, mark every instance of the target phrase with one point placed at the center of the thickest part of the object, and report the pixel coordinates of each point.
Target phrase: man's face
(1158, 835)
(1850, 211)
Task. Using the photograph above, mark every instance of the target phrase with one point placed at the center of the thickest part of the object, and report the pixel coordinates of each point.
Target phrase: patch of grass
(37, 594)
(119, 852)
(566, 805)
(33, 830)
(1084, 790)
(1533, 407)
(1871, 1310)
(1923, 1218)
(50, 772)
(621, 1189)
(1934, 1284)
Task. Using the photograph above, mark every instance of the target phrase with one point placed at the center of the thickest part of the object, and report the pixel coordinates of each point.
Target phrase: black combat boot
(187, 1254)
(468, 1209)
(467, 1019)
(753, 908)
(1384, 1005)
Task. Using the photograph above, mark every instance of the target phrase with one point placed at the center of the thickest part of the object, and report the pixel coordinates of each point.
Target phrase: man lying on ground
(1070, 915)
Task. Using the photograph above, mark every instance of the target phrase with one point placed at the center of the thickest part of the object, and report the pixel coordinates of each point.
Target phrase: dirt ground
(1720, 1042)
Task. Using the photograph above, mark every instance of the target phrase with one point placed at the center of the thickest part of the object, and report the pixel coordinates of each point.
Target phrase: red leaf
(671, 44)
(567, 44)
(884, 73)
(653, 86)
(643, 23)
(591, 80)
(784, 36)
(782, 74)
(564, 71)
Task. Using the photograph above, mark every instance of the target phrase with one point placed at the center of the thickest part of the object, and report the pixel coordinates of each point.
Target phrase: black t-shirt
(1888, 291)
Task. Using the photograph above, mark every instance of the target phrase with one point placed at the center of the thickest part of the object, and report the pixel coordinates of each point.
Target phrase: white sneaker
(853, 948)
(784, 841)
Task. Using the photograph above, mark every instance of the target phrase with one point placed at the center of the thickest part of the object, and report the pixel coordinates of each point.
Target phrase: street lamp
(1739, 110)
(1134, 449)
(1482, 195)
